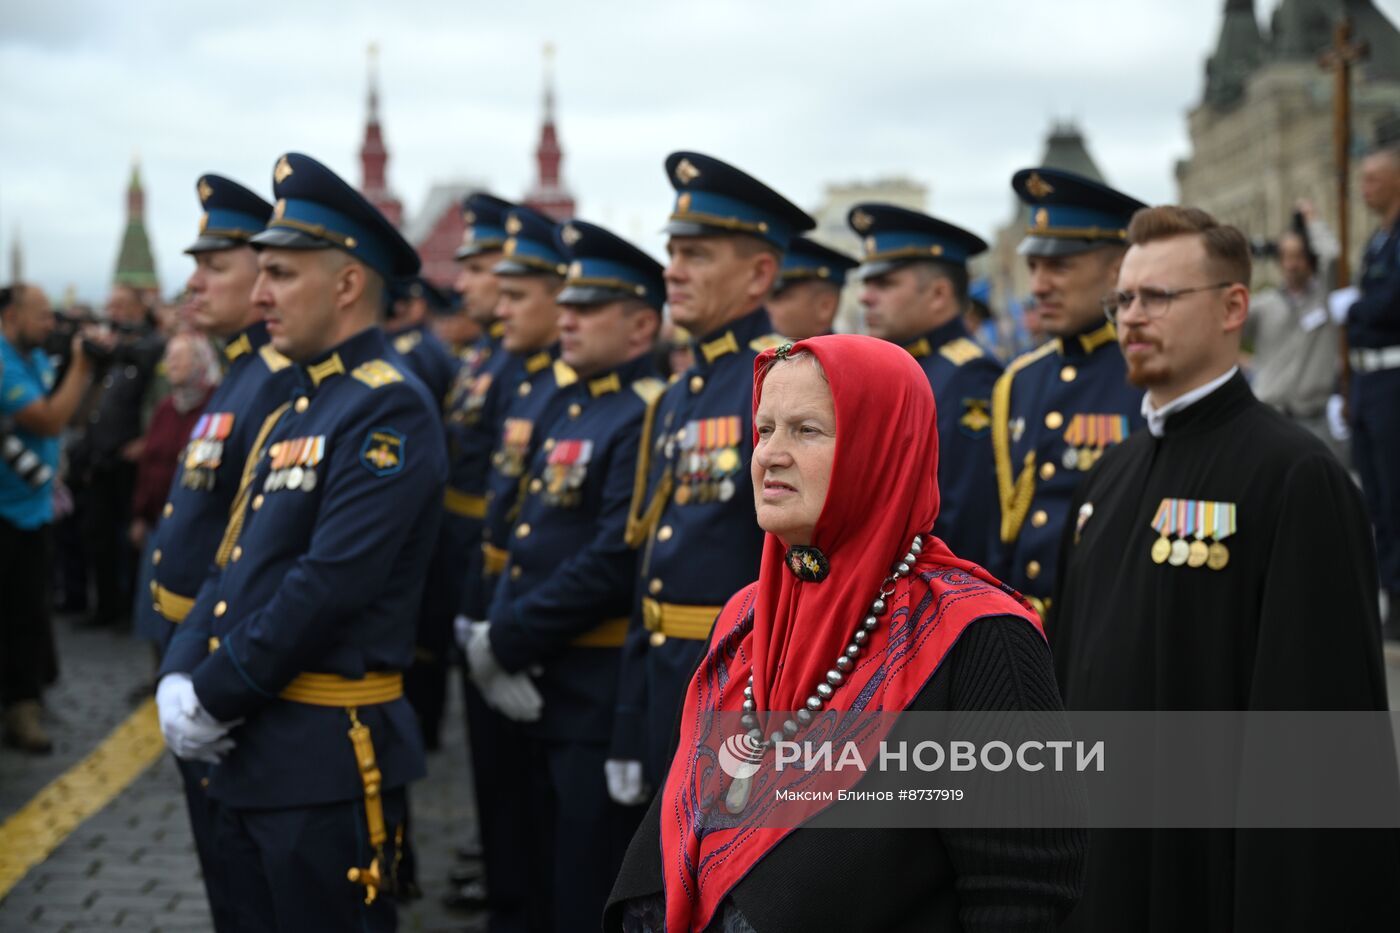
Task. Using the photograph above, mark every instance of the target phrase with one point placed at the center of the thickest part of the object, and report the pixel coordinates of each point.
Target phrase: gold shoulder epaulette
(767, 341)
(404, 343)
(272, 359)
(649, 389)
(564, 374)
(1030, 356)
(377, 373)
(960, 350)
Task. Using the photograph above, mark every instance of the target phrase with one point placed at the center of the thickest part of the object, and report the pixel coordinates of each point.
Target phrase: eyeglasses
(1155, 301)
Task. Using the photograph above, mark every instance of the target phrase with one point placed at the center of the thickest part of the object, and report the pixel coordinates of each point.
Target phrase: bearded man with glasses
(1219, 560)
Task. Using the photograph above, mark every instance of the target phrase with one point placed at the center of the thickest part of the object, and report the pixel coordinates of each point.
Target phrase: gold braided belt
(172, 606)
(671, 620)
(463, 503)
(494, 559)
(609, 634)
(334, 690)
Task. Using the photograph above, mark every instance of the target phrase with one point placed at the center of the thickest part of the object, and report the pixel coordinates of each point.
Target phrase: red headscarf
(883, 492)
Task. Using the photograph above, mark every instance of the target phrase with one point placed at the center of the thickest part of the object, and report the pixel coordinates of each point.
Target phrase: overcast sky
(800, 93)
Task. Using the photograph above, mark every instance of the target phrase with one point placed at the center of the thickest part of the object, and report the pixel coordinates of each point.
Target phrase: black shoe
(465, 874)
(470, 896)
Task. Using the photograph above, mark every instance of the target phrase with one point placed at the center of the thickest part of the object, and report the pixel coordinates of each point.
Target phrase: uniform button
(1047, 470)
(549, 443)
(257, 502)
(515, 572)
(1068, 373)
(220, 608)
(575, 410)
(1033, 569)
(238, 552)
(665, 533)
(524, 388)
(536, 485)
(1040, 518)
(1053, 420)
(302, 404)
(168, 511)
(658, 639)
(203, 782)
(697, 383)
(654, 586)
(522, 530)
(155, 558)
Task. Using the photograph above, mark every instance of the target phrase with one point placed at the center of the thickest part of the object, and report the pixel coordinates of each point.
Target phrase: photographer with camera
(102, 460)
(33, 414)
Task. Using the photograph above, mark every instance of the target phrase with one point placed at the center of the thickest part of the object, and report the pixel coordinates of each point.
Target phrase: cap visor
(1057, 246)
(284, 238)
(210, 244)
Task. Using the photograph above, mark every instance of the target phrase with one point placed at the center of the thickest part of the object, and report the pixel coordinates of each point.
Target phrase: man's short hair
(1227, 249)
(954, 272)
(11, 296)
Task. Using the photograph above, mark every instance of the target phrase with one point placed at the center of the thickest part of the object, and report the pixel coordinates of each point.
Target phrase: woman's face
(180, 362)
(791, 466)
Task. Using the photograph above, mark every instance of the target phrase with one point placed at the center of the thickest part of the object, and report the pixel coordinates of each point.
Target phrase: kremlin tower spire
(548, 195)
(374, 156)
(135, 264)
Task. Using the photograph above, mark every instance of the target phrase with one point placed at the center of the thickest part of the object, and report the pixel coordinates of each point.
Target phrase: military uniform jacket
(566, 597)
(429, 359)
(1226, 565)
(193, 520)
(485, 380)
(962, 375)
(703, 543)
(528, 408)
(1374, 318)
(1054, 412)
(323, 571)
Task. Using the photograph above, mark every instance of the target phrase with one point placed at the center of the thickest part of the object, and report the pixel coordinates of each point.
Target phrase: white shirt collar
(1157, 417)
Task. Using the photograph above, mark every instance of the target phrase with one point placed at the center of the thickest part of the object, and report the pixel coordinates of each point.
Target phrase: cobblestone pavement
(132, 866)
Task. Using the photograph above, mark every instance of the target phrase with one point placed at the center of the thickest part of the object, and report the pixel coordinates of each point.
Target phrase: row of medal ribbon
(294, 463)
(1088, 436)
(1183, 525)
(565, 471)
(708, 459)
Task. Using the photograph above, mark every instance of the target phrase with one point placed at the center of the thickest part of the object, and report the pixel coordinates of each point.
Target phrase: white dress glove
(512, 695)
(462, 631)
(515, 697)
(1337, 419)
(625, 784)
(189, 731)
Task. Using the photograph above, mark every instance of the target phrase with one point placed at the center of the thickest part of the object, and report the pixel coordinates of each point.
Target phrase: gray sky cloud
(955, 95)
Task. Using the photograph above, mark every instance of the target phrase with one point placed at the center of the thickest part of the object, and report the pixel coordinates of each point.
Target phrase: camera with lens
(14, 454)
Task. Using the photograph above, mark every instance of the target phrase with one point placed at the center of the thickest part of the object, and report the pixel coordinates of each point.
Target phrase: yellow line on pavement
(27, 838)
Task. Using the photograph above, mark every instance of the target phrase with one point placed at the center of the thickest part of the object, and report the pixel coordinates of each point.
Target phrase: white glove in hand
(625, 785)
(480, 660)
(462, 631)
(189, 730)
(515, 697)
(1337, 420)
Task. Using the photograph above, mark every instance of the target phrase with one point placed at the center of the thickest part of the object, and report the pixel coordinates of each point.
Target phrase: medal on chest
(707, 459)
(205, 450)
(1191, 533)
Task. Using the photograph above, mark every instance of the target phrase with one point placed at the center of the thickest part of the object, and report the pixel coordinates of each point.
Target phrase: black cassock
(1281, 615)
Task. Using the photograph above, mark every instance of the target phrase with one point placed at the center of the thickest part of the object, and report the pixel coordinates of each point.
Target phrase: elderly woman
(844, 476)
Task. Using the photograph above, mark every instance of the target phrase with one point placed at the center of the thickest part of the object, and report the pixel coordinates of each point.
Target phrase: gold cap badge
(861, 221)
(513, 225)
(570, 235)
(206, 191)
(1038, 187)
(686, 172)
(283, 171)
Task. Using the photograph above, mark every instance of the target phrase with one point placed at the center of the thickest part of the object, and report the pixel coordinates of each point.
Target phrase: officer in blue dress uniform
(531, 273)
(914, 286)
(207, 477)
(1373, 341)
(1059, 407)
(692, 512)
(562, 607)
(475, 403)
(288, 671)
(808, 294)
(415, 300)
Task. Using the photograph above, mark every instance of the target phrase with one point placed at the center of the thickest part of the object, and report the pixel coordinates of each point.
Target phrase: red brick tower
(374, 157)
(548, 195)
